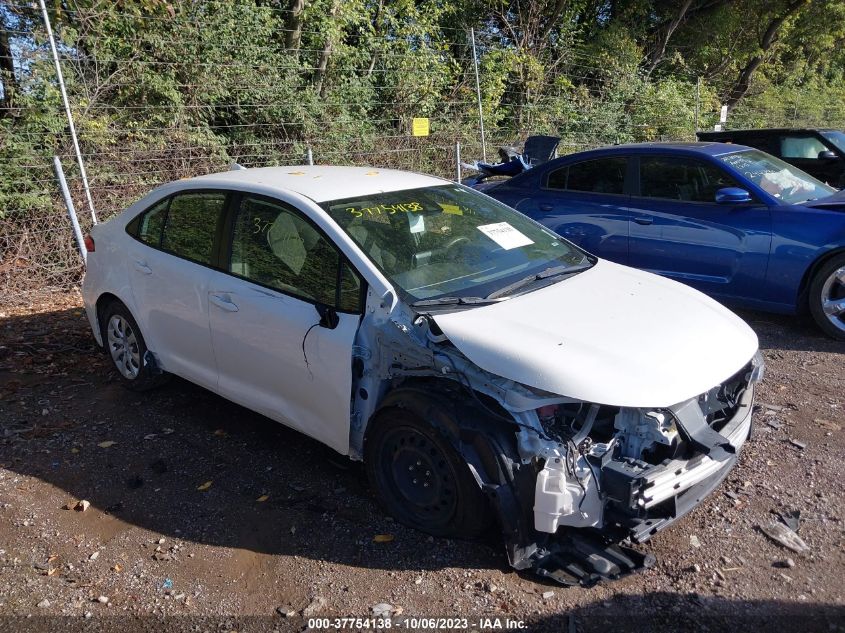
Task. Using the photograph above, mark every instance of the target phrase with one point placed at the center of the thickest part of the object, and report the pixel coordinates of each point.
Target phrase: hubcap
(420, 477)
(833, 298)
(123, 347)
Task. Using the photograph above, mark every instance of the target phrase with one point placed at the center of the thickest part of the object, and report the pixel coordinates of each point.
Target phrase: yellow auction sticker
(452, 209)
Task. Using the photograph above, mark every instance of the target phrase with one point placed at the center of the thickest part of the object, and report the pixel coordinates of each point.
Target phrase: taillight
(89, 244)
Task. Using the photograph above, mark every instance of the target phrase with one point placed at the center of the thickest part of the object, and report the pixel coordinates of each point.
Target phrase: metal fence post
(697, 102)
(71, 211)
(478, 94)
(458, 158)
(67, 110)
(309, 156)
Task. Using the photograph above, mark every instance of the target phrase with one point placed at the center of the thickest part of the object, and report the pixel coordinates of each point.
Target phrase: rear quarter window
(149, 225)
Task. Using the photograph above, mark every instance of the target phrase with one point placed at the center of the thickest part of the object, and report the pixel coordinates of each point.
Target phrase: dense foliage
(165, 89)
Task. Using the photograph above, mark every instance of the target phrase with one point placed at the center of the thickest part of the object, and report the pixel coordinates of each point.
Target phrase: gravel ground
(205, 511)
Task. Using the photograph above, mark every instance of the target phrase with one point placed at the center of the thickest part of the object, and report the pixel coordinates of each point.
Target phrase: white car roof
(318, 182)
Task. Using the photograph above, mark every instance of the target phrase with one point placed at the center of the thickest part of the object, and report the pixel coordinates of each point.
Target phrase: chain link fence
(179, 105)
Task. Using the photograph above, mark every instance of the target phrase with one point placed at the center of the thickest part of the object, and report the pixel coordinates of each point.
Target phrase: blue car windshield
(785, 182)
(449, 241)
(836, 137)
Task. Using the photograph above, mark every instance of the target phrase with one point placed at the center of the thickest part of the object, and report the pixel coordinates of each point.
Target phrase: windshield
(836, 137)
(780, 179)
(450, 241)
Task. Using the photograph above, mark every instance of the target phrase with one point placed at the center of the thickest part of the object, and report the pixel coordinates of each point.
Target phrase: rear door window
(603, 175)
(557, 178)
(193, 220)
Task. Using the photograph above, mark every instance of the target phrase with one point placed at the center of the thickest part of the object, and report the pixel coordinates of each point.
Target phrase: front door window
(276, 247)
(683, 179)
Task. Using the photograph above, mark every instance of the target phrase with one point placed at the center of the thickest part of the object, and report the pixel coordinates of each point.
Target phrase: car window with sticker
(781, 180)
(449, 240)
(276, 247)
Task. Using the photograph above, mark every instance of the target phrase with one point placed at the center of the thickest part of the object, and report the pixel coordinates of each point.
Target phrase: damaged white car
(485, 370)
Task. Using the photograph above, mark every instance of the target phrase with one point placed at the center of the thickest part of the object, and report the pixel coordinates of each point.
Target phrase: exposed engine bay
(574, 484)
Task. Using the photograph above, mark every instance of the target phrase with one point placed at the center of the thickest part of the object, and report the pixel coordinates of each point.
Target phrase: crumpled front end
(573, 483)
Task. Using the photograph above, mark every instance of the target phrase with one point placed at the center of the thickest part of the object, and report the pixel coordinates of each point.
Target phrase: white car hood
(610, 335)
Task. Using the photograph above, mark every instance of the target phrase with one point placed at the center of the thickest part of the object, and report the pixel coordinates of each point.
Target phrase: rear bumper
(90, 302)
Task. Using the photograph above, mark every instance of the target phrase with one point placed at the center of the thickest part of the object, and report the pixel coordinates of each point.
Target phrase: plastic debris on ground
(782, 535)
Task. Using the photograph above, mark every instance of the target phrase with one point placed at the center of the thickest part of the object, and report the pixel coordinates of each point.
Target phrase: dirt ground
(205, 512)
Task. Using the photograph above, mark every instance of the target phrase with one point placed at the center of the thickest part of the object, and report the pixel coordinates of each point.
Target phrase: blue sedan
(733, 222)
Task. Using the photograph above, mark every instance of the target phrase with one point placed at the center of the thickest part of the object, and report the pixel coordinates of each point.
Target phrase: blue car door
(585, 202)
(678, 230)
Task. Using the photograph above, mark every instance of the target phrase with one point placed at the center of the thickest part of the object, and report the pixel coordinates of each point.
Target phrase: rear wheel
(125, 346)
(421, 479)
(827, 297)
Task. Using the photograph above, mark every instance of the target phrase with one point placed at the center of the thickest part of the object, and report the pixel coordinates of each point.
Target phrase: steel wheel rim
(833, 298)
(123, 347)
(419, 476)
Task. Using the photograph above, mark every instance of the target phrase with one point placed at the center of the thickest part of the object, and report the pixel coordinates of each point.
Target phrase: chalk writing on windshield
(779, 180)
(390, 209)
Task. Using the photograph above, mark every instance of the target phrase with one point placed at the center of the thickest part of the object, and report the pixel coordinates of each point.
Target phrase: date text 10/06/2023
(413, 623)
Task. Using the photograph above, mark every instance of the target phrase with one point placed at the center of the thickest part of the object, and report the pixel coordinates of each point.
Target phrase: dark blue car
(733, 222)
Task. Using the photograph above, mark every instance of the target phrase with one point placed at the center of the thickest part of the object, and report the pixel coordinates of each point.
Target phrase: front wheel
(827, 297)
(125, 346)
(421, 479)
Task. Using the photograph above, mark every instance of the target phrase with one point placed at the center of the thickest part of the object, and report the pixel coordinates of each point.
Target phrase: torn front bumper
(643, 503)
(631, 500)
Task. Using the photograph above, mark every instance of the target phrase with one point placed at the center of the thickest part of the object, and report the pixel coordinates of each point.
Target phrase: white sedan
(486, 371)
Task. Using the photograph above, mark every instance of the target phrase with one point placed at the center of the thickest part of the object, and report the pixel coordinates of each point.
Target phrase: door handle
(141, 267)
(546, 207)
(223, 302)
(644, 220)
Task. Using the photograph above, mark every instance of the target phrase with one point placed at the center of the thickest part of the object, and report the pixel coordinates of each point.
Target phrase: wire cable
(304, 355)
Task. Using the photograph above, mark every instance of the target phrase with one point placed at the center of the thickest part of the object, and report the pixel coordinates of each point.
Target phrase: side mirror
(732, 195)
(328, 316)
(828, 155)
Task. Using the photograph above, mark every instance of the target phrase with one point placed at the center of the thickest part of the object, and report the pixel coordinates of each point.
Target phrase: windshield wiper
(554, 271)
(448, 301)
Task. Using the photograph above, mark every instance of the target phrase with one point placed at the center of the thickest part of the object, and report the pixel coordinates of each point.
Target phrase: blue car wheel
(827, 297)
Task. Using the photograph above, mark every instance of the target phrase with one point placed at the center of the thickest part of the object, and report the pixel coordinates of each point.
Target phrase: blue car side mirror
(732, 195)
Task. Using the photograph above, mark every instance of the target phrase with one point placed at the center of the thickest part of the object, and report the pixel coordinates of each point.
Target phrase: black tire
(134, 349)
(420, 479)
(823, 286)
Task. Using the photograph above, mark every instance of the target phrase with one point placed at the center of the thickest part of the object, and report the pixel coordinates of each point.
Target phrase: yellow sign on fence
(419, 127)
